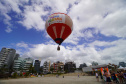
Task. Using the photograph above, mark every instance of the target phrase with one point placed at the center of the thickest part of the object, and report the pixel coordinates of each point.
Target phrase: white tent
(124, 68)
(87, 69)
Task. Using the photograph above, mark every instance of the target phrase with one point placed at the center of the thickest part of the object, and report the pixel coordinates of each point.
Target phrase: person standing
(108, 79)
(120, 76)
(96, 74)
(114, 77)
(101, 75)
(124, 77)
(78, 76)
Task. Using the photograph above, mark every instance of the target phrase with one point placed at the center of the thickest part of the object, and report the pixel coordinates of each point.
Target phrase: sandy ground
(53, 80)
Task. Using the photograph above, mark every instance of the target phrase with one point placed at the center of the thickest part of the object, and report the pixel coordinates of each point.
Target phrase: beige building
(46, 67)
(57, 67)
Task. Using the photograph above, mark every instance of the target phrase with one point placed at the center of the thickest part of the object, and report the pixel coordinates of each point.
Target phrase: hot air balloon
(59, 26)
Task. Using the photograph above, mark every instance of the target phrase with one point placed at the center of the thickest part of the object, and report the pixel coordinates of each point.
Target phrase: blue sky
(98, 30)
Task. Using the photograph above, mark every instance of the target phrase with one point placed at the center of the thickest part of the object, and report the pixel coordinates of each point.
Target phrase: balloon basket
(58, 48)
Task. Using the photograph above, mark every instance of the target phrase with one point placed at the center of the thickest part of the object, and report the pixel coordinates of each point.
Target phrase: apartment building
(27, 63)
(57, 67)
(46, 67)
(69, 66)
(7, 56)
(18, 64)
(37, 65)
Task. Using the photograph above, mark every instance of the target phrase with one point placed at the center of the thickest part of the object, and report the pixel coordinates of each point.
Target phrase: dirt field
(53, 80)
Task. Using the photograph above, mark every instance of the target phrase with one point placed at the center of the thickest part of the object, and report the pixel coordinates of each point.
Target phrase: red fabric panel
(58, 42)
(51, 32)
(66, 33)
(58, 29)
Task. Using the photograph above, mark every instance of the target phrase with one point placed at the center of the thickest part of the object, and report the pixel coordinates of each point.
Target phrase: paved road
(53, 80)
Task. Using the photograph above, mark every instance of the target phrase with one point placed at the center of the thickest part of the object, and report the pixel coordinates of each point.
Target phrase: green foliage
(59, 73)
(4, 69)
(26, 74)
(31, 69)
(51, 69)
(78, 69)
(14, 75)
(41, 70)
(41, 74)
(21, 74)
(66, 71)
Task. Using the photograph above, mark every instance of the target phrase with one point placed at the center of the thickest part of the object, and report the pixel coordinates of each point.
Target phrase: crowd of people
(118, 77)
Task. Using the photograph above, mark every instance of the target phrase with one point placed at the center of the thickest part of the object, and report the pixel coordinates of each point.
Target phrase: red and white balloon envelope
(59, 26)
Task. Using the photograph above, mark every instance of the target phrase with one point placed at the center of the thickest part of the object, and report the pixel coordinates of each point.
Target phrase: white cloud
(22, 44)
(114, 24)
(105, 16)
(33, 17)
(80, 54)
(113, 52)
(49, 52)
(102, 43)
(8, 30)
(19, 51)
(108, 19)
(6, 7)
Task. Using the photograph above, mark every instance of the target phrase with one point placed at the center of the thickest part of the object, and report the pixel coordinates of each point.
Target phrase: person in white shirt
(97, 77)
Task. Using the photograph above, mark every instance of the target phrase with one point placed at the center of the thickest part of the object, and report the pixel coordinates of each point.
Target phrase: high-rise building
(7, 56)
(122, 64)
(28, 62)
(37, 65)
(46, 67)
(58, 67)
(125, 64)
(22, 64)
(69, 66)
(16, 56)
(41, 69)
(18, 64)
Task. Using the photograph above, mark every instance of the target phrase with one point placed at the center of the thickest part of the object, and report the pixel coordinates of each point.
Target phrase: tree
(41, 70)
(14, 75)
(51, 69)
(82, 65)
(21, 74)
(21, 69)
(94, 63)
(31, 69)
(66, 71)
(59, 69)
(4, 69)
(26, 74)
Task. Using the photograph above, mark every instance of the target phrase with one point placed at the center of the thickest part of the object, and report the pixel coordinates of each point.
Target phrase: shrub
(26, 74)
(21, 74)
(14, 75)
